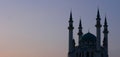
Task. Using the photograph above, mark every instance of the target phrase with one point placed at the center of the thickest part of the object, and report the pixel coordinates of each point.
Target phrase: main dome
(88, 37)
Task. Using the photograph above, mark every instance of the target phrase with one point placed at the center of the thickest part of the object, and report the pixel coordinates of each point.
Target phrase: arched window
(77, 54)
(82, 54)
(92, 54)
(87, 54)
(102, 55)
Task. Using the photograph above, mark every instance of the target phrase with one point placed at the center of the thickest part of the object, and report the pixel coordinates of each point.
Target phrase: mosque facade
(89, 45)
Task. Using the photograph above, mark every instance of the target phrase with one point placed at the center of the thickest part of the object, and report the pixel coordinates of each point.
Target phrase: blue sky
(38, 28)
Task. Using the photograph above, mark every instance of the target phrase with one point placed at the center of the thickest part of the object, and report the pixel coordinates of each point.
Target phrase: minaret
(98, 30)
(105, 41)
(71, 40)
(80, 33)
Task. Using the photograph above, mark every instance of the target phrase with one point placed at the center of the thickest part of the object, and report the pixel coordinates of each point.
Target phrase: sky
(38, 28)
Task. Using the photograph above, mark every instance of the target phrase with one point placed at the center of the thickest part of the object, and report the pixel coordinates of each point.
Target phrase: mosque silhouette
(89, 45)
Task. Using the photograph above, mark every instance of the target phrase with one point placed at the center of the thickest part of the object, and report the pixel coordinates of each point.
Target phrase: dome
(88, 37)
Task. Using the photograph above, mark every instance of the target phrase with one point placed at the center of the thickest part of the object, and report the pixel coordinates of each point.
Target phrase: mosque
(89, 45)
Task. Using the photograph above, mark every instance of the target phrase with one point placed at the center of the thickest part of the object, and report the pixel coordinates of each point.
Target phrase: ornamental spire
(98, 14)
(98, 24)
(80, 25)
(80, 33)
(70, 22)
(80, 28)
(105, 23)
(71, 17)
(105, 40)
(98, 30)
(105, 26)
(71, 40)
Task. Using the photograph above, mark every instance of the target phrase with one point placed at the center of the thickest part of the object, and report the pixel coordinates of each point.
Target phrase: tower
(105, 41)
(98, 30)
(71, 40)
(80, 33)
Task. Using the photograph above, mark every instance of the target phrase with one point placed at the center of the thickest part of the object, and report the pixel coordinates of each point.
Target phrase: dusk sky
(38, 28)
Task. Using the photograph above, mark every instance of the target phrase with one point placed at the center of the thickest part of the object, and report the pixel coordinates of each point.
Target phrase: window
(102, 55)
(77, 54)
(82, 54)
(92, 54)
(87, 54)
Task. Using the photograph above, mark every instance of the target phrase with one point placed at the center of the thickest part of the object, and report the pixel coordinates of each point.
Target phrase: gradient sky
(38, 28)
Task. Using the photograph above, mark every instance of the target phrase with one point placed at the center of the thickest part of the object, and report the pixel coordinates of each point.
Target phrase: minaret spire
(71, 40)
(98, 30)
(98, 14)
(80, 33)
(105, 40)
(71, 22)
(105, 23)
(80, 24)
(71, 16)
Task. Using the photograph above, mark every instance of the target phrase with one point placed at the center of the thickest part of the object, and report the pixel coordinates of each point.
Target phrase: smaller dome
(88, 37)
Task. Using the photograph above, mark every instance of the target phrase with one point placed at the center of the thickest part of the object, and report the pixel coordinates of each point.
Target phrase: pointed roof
(105, 23)
(98, 14)
(98, 25)
(71, 17)
(105, 26)
(80, 28)
(70, 22)
(80, 24)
